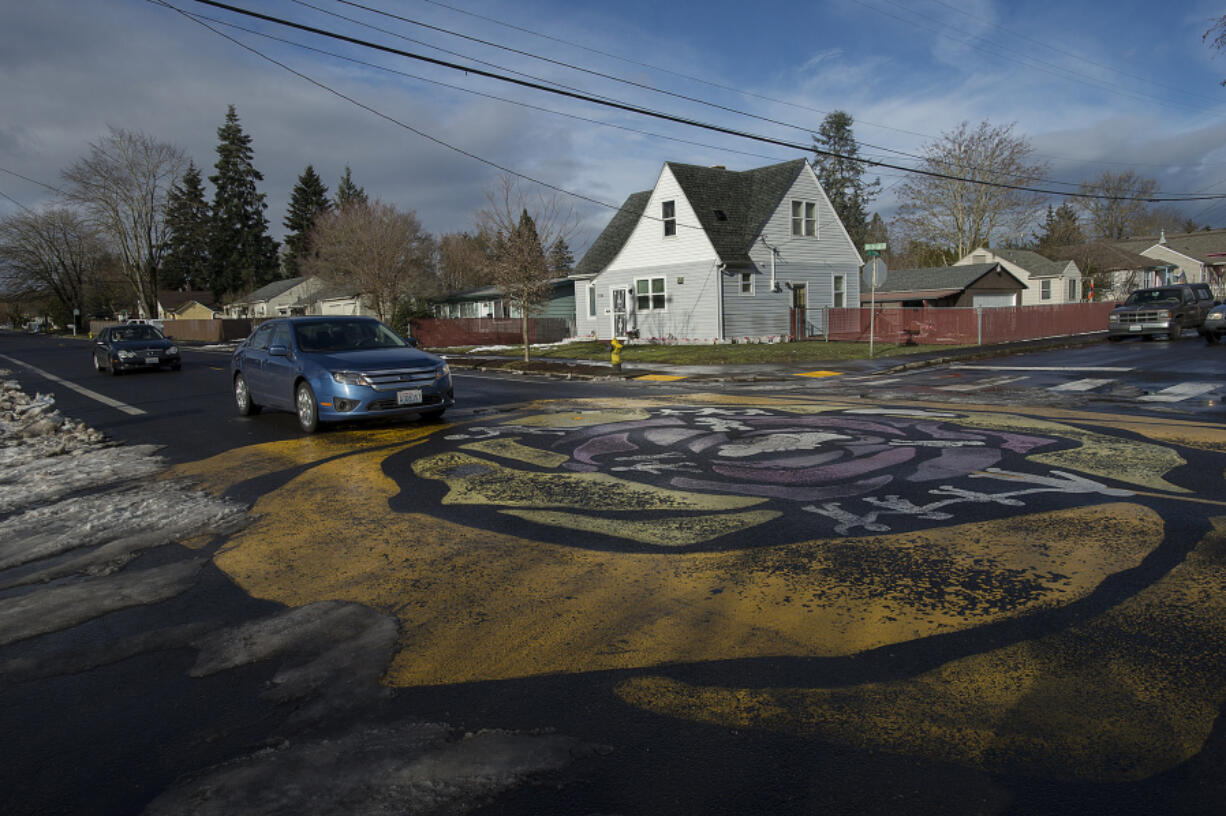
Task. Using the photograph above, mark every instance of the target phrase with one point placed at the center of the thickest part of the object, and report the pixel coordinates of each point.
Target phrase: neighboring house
(714, 254)
(333, 299)
(279, 298)
(969, 285)
(489, 301)
(190, 305)
(1109, 272)
(1192, 257)
(1048, 283)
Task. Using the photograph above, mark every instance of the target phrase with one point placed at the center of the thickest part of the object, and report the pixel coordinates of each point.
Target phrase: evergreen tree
(1061, 227)
(185, 264)
(842, 175)
(561, 259)
(242, 256)
(308, 201)
(349, 193)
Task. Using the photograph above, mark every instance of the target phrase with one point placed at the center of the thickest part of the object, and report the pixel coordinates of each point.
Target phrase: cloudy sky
(1093, 84)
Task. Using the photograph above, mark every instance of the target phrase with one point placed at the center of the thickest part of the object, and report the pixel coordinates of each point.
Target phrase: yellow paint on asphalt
(472, 480)
(476, 604)
(660, 377)
(1123, 696)
(674, 531)
(820, 374)
(581, 418)
(511, 448)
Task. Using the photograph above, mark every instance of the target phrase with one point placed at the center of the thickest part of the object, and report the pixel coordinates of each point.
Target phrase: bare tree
(520, 230)
(966, 208)
(377, 250)
(57, 252)
(1125, 211)
(1216, 36)
(463, 261)
(123, 185)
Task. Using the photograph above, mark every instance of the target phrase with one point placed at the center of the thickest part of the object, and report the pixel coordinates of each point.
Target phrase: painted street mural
(1023, 594)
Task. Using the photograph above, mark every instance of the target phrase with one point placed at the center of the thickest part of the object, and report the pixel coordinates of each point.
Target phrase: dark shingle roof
(1099, 256)
(938, 278)
(732, 207)
(1032, 262)
(1205, 246)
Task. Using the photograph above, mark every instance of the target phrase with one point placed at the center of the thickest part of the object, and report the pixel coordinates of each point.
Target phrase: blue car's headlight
(443, 371)
(351, 378)
(172, 350)
(126, 355)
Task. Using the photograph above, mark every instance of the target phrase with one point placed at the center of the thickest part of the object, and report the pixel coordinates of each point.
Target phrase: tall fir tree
(242, 256)
(561, 259)
(1061, 227)
(185, 265)
(308, 201)
(348, 193)
(842, 175)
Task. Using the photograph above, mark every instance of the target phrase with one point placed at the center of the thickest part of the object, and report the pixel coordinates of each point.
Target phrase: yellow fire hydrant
(616, 357)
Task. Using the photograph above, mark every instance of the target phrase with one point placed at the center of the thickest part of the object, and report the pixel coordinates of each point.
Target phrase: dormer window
(668, 213)
(804, 219)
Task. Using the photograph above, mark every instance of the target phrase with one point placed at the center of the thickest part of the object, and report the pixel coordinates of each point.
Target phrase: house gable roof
(1206, 246)
(172, 299)
(732, 206)
(1100, 256)
(270, 291)
(1032, 262)
(941, 278)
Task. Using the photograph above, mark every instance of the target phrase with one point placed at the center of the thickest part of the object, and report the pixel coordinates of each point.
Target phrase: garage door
(993, 301)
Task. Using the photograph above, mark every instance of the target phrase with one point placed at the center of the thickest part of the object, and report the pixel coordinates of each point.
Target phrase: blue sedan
(333, 369)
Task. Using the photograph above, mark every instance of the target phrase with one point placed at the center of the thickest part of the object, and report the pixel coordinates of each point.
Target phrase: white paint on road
(981, 384)
(1183, 391)
(80, 389)
(1060, 369)
(1088, 384)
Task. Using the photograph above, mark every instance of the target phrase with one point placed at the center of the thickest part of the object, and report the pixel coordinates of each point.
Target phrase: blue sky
(1094, 86)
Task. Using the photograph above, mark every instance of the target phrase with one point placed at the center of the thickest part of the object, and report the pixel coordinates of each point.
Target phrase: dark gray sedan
(132, 346)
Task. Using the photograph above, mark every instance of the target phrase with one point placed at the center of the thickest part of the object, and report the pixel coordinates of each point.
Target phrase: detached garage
(986, 286)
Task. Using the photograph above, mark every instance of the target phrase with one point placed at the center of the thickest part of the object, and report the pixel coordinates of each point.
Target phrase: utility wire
(649, 112)
(743, 92)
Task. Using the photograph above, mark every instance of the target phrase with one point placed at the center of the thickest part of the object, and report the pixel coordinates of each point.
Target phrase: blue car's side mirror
(412, 341)
(278, 351)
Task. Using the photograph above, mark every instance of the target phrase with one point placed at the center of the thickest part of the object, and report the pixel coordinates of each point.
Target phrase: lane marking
(80, 389)
(819, 374)
(1088, 384)
(1183, 391)
(661, 377)
(977, 386)
(1067, 369)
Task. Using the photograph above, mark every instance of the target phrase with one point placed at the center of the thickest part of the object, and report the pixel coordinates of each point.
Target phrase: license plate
(1135, 328)
(412, 397)
(151, 361)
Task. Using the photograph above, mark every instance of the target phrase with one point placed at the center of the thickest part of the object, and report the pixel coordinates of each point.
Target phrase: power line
(746, 93)
(659, 114)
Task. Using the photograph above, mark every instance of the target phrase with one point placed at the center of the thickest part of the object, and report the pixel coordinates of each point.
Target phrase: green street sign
(874, 247)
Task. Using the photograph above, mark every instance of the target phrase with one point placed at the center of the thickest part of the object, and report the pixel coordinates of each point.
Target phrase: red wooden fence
(966, 327)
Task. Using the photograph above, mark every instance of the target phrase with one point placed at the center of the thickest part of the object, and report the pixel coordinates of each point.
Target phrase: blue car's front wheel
(308, 408)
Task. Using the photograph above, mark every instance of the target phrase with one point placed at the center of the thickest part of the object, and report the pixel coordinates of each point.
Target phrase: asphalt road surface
(812, 595)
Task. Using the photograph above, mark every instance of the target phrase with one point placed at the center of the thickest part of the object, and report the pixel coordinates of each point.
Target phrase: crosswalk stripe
(1088, 384)
(981, 384)
(1183, 391)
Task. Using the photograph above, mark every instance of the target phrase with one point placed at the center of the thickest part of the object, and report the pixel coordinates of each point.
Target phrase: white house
(1048, 283)
(277, 299)
(714, 254)
(1193, 257)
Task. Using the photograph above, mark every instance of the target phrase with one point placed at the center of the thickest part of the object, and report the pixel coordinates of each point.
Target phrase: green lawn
(807, 351)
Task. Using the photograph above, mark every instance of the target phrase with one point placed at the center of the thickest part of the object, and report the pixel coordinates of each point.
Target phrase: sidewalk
(758, 372)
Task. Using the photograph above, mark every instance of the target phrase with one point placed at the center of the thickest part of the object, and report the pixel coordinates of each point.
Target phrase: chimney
(1162, 238)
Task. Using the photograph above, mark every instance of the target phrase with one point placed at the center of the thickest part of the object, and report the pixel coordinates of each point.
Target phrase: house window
(804, 218)
(1046, 290)
(668, 212)
(746, 283)
(649, 294)
(591, 300)
(1072, 290)
(840, 291)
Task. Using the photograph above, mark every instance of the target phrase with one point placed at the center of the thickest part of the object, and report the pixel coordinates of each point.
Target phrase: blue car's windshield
(345, 335)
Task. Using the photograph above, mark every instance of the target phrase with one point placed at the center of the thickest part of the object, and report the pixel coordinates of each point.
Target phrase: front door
(621, 311)
(800, 310)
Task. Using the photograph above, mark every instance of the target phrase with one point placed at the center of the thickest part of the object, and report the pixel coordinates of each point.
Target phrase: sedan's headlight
(172, 350)
(1217, 314)
(351, 378)
(443, 371)
(126, 355)
(1113, 318)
